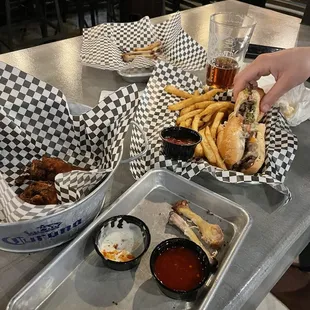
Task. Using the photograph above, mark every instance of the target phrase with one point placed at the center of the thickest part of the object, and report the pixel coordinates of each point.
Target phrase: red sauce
(180, 141)
(179, 269)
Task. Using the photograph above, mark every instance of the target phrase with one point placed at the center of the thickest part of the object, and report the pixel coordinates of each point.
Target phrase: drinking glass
(229, 38)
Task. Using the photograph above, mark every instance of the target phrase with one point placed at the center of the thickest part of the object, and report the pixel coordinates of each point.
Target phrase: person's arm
(289, 67)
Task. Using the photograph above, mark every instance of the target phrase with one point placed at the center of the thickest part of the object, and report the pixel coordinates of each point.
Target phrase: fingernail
(264, 108)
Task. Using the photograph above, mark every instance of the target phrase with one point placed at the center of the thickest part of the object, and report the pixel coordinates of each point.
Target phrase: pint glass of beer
(229, 38)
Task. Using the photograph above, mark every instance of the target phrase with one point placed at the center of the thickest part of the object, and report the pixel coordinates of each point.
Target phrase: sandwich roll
(258, 143)
(241, 142)
(254, 152)
(232, 141)
(247, 105)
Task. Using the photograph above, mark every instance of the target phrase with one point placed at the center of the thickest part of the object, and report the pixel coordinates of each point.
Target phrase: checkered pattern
(104, 44)
(169, 31)
(126, 35)
(36, 120)
(152, 115)
(179, 48)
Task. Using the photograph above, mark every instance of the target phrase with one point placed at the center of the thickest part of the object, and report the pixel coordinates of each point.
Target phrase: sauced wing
(47, 168)
(40, 193)
(43, 172)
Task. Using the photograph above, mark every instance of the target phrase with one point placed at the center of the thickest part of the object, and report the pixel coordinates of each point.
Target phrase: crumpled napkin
(294, 105)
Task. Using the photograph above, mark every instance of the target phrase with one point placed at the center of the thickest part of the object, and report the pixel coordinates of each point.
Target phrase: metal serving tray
(77, 279)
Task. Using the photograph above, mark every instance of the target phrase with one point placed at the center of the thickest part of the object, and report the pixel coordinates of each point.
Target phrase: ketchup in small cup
(180, 142)
(180, 268)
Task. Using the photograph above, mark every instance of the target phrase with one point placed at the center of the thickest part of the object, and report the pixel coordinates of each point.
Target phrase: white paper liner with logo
(35, 120)
(103, 45)
(153, 115)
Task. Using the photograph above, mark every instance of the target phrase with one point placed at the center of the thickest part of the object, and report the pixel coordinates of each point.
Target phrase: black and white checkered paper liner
(103, 45)
(152, 115)
(35, 120)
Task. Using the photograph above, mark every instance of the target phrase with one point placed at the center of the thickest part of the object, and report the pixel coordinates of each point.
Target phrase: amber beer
(221, 72)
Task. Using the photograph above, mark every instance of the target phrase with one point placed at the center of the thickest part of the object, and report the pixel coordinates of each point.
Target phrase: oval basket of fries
(239, 144)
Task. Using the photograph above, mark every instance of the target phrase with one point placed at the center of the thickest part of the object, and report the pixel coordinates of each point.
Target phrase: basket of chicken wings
(57, 159)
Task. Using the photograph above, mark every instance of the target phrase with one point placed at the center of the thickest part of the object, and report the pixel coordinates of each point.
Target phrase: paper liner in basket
(153, 115)
(35, 120)
(103, 45)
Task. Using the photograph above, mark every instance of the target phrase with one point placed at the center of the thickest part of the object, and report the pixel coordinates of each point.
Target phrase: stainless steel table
(278, 233)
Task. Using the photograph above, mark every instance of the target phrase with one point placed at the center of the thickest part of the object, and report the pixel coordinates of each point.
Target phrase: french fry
(201, 123)
(194, 99)
(195, 123)
(220, 135)
(209, 119)
(177, 92)
(207, 150)
(230, 114)
(188, 109)
(188, 122)
(183, 124)
(188, 115)
(206, 88)
(202, 126)
(196, 92)
(211, 93)
(198, 105)
(203, 104)
(226, 110)
(199, 151)
(215, 107)
(182, 104)
(219, 161)
(217, 120)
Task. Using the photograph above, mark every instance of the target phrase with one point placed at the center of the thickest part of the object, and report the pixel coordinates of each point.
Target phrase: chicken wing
(210, 233)
(45, 170)
(40, 193)
(175, 219)
(49, 167)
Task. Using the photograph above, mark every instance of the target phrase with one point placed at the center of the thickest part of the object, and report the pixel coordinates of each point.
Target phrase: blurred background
(27, 23)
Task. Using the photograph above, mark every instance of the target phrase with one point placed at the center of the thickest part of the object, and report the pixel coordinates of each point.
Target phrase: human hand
(289, 67)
